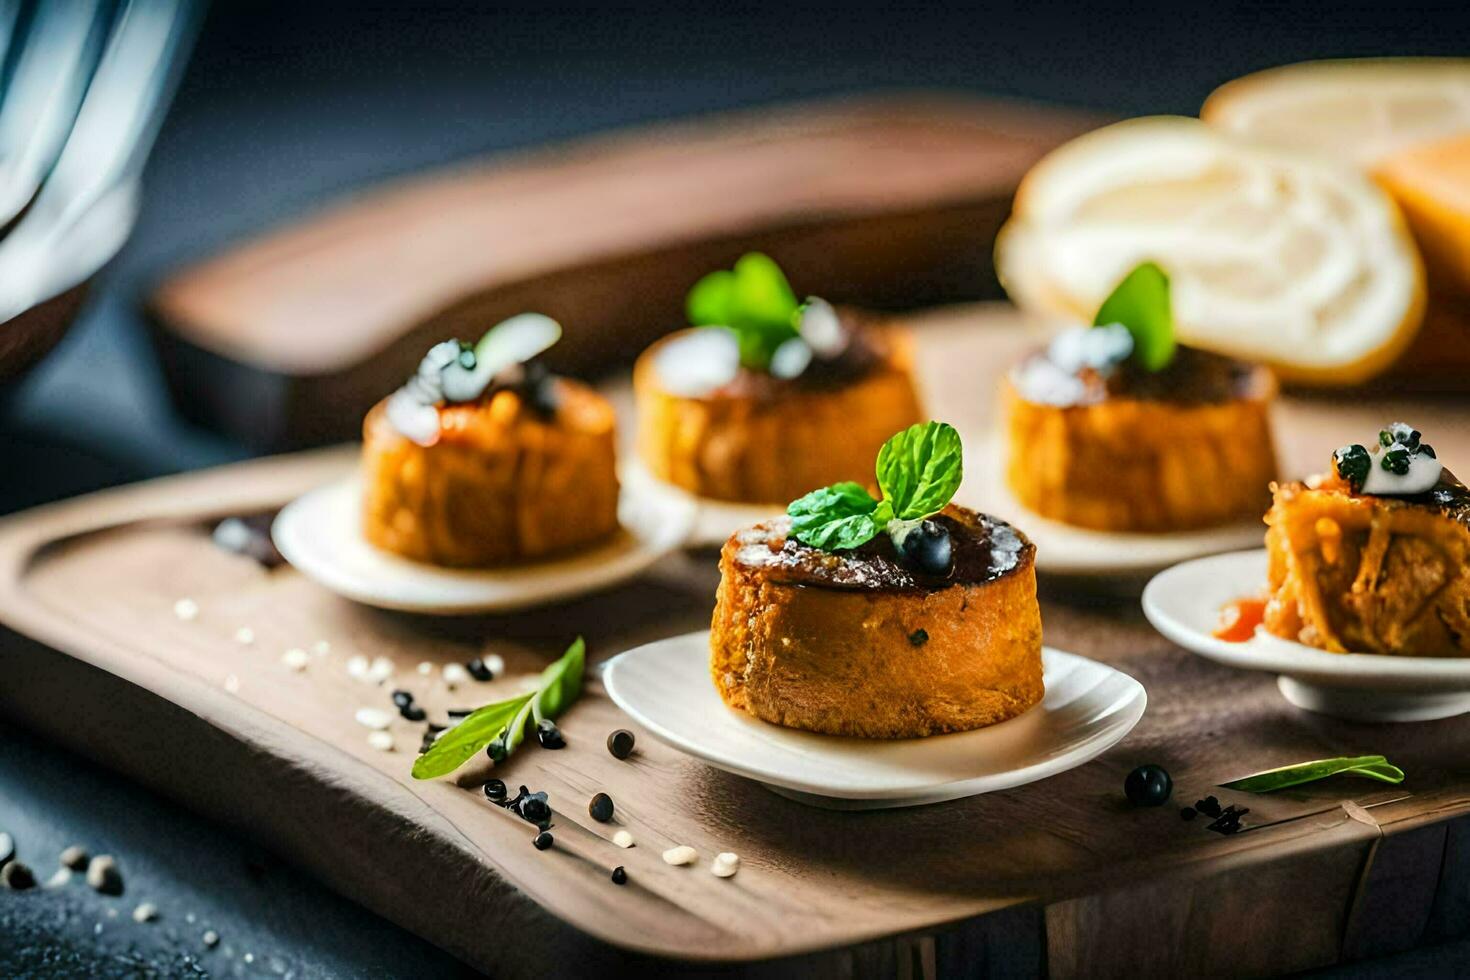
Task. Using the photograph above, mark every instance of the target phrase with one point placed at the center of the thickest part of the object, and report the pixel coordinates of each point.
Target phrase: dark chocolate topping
(985, 548)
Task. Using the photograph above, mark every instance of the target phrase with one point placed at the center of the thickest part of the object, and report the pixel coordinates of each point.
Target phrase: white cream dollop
(1423, 474)
(698, 362)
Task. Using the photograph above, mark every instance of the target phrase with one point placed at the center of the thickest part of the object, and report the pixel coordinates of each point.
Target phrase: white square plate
(666, 688)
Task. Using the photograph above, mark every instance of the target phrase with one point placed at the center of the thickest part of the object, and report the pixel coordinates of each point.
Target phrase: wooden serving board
(892, 202)
(1060, 876)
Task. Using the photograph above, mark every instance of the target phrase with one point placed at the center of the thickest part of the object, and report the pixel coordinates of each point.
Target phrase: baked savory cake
(1373, 557)
(929, 625)
(485, 459)
(1110, 430)
(760, 405)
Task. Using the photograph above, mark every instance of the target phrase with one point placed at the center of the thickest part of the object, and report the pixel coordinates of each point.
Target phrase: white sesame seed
(295, 658)
(455, 675)
(683, 854)
(244, 636)
(146, 912)
(425, 668)
(232, 684)
(623, 839)
(381, 670)
(321, 648)
(186, 609)
(375, 718)
(495, 662)
(357, 666)
(382, 741)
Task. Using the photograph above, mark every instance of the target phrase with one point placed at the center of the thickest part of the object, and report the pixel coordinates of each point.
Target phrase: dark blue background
(286, 105)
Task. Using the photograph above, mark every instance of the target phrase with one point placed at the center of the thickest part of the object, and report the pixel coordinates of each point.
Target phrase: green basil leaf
(458, 745)
(1141, 303)
(1368, 766)
(559, 686)
(561, 682)
(843, 515)
(920, 468)
(754, 301)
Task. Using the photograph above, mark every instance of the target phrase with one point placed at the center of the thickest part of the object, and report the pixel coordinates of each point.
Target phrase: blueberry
(479, 671)
(549, 735)
(544, 840)
(601, 808)
(619, 876)
(495, 791)
(928, 548)
(620, 743)
(1148, 786)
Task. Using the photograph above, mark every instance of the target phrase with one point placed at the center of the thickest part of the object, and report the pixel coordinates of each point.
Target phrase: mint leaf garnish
(840, 516)
(1141, 304)
(1367, 766)
(753, 301)
(506, 721)
(918, 471)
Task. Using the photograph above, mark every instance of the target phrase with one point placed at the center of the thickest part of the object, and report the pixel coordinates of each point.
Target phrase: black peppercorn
(620, 743)
(412, 712)
(619, 876)
(549, 735)
(402, 699)
(495, 791)
(479, 671)
(543, 840)
(1148, 786)
(601, 808)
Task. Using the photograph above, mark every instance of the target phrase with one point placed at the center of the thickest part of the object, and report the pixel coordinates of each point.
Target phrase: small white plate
(320, 534)
(666, 688)
(1184, 604)
(714, 520)
(1062, 549)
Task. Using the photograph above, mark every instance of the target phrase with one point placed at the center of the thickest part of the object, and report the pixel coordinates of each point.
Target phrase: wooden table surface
(1061, 875)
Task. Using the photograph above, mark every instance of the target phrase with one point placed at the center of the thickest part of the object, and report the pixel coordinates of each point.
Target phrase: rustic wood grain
(894, 201)
(87, 589)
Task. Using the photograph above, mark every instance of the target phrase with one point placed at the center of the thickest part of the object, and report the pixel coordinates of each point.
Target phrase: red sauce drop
(1239, 619)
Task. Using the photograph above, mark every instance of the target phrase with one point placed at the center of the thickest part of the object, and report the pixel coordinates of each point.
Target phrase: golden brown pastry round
(859, 643)
(1184, 448)
(505, 481)
(762, 439)
(1350, 571)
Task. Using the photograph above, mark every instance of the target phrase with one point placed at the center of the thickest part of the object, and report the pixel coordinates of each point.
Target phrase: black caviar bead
(919, 637)
(1396, 460)
(479, 671)
(1186, 813)
(412, 712)
(544, 840)
(619, 876)
(1148, 786)
(620, 743)
(1352, 463)
(549, 735)
(535, 809)
(1427, 450)
(495, 791)
(402, 699)
(1209, 806)
(601, 808)
(496, 750)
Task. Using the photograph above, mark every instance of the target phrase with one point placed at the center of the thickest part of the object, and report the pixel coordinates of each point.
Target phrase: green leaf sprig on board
(753, 301)
(918, 471)
(1367, 766)
(505, 722)
(1141, 304)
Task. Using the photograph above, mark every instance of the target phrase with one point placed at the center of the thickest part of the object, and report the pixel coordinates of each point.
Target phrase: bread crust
(876, 663)
(502, 485)
(772, 446)
(1128, 464)
(1351, 572)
